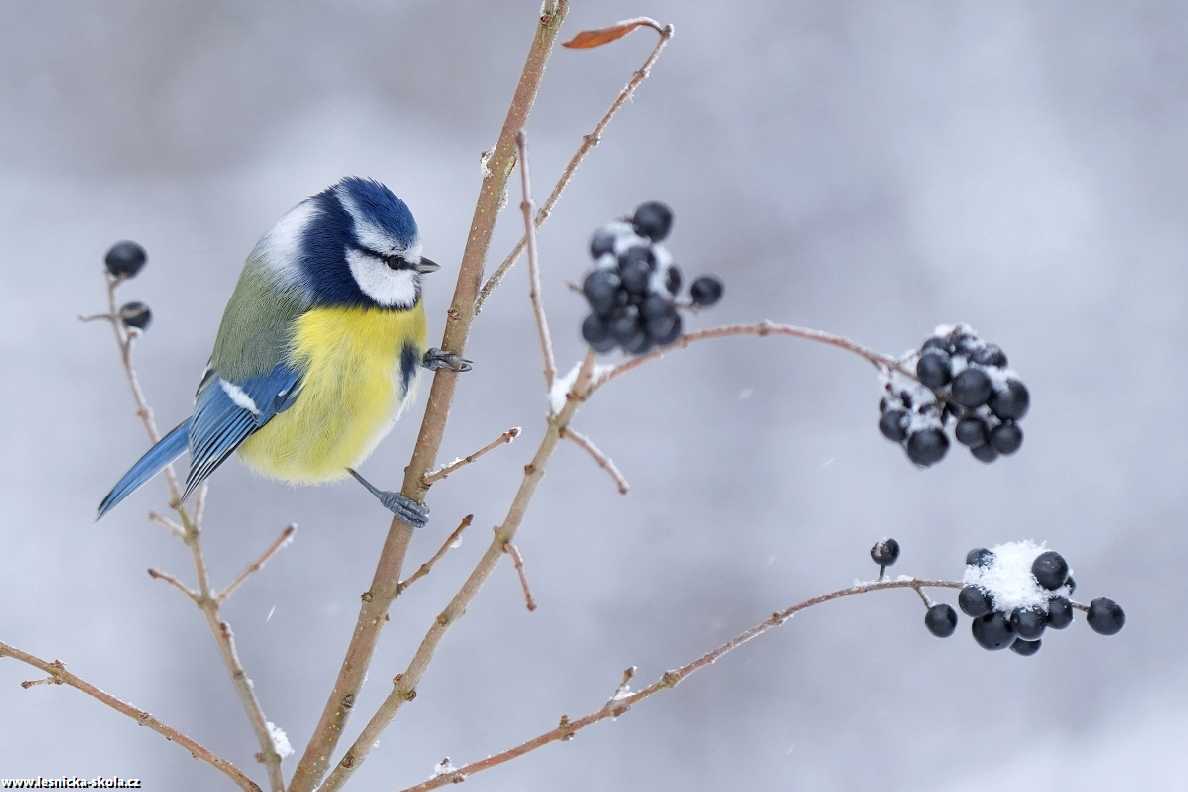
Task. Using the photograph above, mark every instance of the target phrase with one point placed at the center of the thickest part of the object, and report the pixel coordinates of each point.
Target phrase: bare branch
(622, 701)
(165, 522)
(427, 567)
(373, 613)
(761, 329)
(604, 462)
(518, 563)
(191, 529)
(588, 143)
(60, 676)
(404, 688)
(534, 295)
(157, 574)
(274, 548)
(445, 470)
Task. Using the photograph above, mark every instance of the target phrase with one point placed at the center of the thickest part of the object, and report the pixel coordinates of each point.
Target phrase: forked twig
(445, 470)
(589, 141)
(58, 675)
(450, 542)
(622, 701)
(603, 461)
(534, 295)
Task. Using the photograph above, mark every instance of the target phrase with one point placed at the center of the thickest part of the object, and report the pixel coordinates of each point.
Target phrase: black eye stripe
(393, 260)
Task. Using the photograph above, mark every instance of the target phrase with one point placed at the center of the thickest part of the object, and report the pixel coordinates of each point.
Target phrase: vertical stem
(384, 584)
(534, 296)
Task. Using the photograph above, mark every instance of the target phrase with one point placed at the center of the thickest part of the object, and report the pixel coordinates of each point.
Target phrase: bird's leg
(435, 359)
(404, 507)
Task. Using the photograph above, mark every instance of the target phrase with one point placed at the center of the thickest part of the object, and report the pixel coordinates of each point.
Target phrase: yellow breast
(352, 391)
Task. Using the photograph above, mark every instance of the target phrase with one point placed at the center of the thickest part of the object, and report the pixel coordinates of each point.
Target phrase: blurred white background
(869, 168)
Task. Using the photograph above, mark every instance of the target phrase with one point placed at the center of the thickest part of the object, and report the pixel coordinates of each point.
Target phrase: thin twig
(427, 567)
(60, 676)
(157, 574)
(165, 522)
(604, 462)
(274, 548)
(373, 613)
(445, 470)
(588, 143)
(405, 683)
(518, 563)
(923, 597)
(761, 329)
(624, 687)
(618, 705)
(534, 295)
(191, 533)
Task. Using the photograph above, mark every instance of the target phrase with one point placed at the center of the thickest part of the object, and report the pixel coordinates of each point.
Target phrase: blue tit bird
(317, 353)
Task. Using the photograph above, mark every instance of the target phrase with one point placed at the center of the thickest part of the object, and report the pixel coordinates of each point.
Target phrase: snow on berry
(1008, 578)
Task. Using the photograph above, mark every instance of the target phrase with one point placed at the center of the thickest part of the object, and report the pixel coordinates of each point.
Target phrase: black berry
(672, 280)
(597, 333)
(635, 269)
(1028, 623)
(972, 432)
(135, 314)
(1006, 438)
(984, 453)
(1050, 570)
(705, 291)
(1025, 648)
(638, 344)
(990, 355)
(601, 288)
(603, 241)
(625, 326)
(965, 343)
(885, 552)
(941, 620)
(972, 387)
(936, 343)
(1012, 401)
(927, 446)
(979, 556)
(932, 369)
(125, 259)
(1106, 616)
(893, 425)
(1060, 613)
(652, 220)
(992, 631)
(975, 601)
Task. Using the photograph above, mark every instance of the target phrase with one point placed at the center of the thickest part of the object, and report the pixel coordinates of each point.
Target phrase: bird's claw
(435, 359)
(410, 511)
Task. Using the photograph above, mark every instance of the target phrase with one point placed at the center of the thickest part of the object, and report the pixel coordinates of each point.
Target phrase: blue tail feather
(153, 462)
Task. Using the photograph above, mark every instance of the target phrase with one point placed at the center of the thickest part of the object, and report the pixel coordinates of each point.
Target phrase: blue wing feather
(221, 423)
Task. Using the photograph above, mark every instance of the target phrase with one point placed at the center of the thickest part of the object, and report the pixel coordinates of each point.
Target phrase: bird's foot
(435, 359)
(410, 511)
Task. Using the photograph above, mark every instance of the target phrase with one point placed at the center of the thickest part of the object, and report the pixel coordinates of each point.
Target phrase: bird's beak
(425, 266)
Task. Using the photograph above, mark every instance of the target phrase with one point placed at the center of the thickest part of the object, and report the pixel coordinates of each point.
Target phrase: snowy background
(869, 168)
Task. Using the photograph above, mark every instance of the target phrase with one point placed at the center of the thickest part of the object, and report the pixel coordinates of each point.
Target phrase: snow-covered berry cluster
(634, 286)
(1015, 591)
(961, 384)
(124, 261)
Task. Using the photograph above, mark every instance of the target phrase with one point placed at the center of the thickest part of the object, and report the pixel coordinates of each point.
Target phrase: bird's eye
(393, 262)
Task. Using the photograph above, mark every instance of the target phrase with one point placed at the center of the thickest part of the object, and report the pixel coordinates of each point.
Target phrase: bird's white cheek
(380, 282)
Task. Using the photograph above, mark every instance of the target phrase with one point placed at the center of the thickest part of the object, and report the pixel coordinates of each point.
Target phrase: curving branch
(762, 330)
(405, 683)
(373, 613)
(534, 295)
(601, 459)
(58, 675)
(444, 471)
(622, 700)
(589, 141)
(188, 528)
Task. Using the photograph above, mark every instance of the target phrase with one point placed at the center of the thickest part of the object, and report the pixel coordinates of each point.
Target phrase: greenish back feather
(257, 328)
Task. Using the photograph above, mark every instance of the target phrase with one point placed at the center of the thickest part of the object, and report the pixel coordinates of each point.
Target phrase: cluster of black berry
(634, 286)
(123, 261)
(1017, 590)
(962, 383)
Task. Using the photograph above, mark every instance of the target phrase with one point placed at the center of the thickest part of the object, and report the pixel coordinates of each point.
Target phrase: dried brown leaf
(589, 39)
